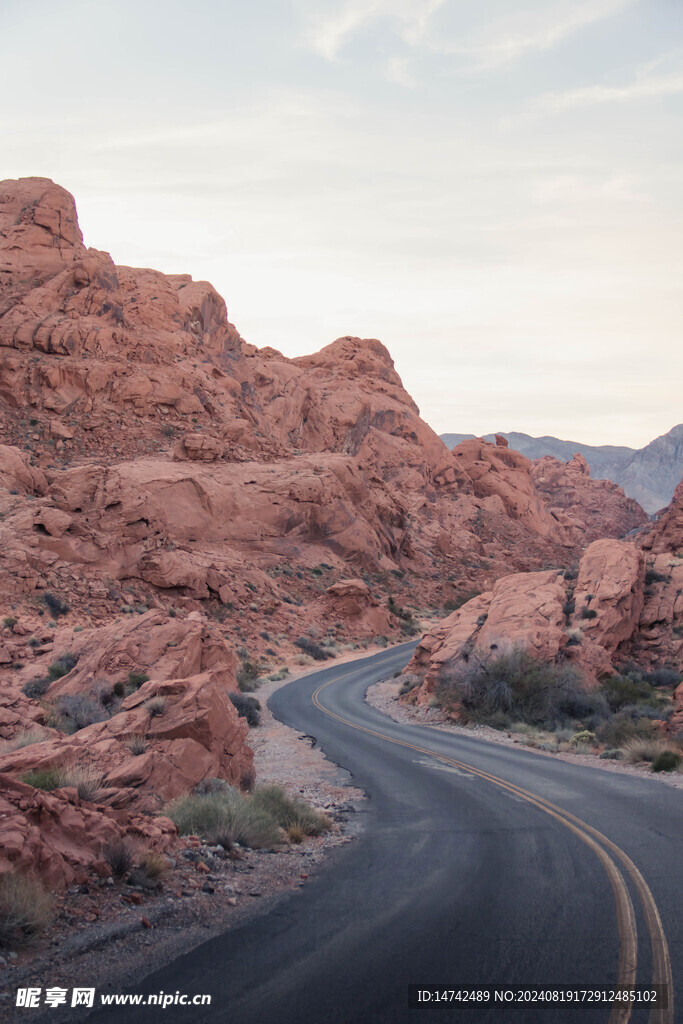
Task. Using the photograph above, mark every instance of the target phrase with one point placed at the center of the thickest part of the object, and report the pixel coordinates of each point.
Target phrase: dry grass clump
(26, 909)
(24, 738)
(225, 816)
(155, 705)
(85, 780)
(119, 856)
(154, 864)
(291, 812)
(647, 749)
(137, 744)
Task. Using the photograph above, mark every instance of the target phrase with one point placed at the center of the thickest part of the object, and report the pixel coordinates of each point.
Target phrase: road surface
(480, 866)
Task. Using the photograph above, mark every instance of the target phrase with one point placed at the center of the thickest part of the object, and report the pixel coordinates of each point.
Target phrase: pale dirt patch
(384, 697)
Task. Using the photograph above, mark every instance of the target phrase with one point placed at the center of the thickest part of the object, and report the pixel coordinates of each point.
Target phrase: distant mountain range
(648, 474)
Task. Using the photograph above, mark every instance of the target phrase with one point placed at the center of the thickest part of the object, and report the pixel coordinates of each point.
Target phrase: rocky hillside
(648, 474)
(623, 605)
(181, 512)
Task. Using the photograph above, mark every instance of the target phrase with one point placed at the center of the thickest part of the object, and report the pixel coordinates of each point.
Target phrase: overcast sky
(493, 189)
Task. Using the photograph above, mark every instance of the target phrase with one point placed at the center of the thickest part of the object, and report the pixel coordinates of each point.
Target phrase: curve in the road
(626, 922)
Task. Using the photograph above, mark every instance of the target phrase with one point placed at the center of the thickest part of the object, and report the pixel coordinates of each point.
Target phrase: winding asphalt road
(480, 865)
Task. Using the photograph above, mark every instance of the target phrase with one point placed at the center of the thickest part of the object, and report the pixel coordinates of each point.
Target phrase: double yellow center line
(605, 850)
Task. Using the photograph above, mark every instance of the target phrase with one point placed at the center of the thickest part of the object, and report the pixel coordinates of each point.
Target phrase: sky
(493, 189)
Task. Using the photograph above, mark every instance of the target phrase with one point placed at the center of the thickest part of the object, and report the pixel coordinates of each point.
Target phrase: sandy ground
(384, 697)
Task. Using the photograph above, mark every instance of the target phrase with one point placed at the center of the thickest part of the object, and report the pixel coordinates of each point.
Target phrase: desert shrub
(224, 817)
(155, 705)
(623, 727)
(381, 641)
(9, 621)
(26, 909)
(119, 856)
(296, 834)
(55, 605)
(211, 785)
(668, 677)
(35, 688)
(409, 680)
(570, 574)
(247, 673)
(137, 744)
(119, 688)
(612, 754)
(520, 685)
(652, 576)
(46, 779)
(569, 608)
(588, 613)
(86, 780)
(621, 690)
(24, 738)
(310, 647)
(584, 736)
(246, 707)
(290, 812)
(154, 864)
(500, 720)
(646, 749)
(62, 666)
(667, 761)
(80, 711)
(453, 603)
(136, 678)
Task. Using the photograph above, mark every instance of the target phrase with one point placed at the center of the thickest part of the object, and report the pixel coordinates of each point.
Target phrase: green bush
(290, 812)
(46, 779)
(588, 613)
(667, 761)
(62, 666)
(85, 780)
(224, 817)
(9, 621)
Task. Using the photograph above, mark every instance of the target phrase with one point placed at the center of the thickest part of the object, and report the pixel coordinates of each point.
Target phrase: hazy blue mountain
(648, 474)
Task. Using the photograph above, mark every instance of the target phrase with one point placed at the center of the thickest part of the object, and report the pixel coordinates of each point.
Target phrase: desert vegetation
(26, 909)
(548, 703)
(220, 814)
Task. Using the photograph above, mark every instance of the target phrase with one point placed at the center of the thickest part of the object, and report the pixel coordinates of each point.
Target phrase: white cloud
(535, 30)
(327, 34)
(645, 87)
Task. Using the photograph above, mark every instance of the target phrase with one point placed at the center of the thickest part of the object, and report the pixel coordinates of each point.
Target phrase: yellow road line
(626, 925)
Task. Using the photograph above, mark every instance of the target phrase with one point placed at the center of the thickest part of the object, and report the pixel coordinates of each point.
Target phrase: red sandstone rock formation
(626, 604)
(152, 459)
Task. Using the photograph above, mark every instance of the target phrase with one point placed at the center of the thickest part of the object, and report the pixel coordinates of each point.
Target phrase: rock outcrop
(624, 604)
